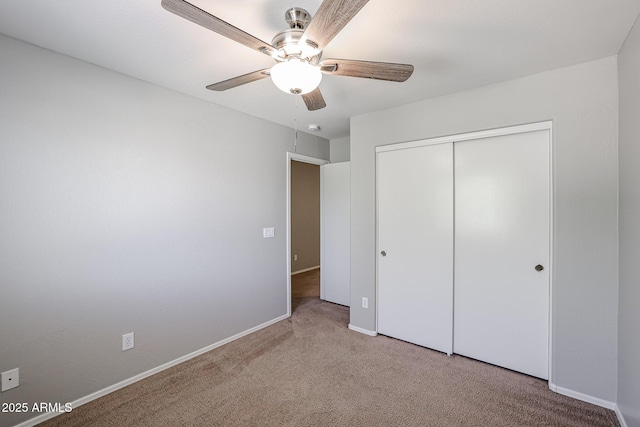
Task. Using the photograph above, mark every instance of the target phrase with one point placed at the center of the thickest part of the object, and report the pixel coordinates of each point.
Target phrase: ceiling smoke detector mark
(314, 127)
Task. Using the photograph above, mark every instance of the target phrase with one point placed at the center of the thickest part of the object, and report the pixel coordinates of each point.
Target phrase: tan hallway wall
(305, 216)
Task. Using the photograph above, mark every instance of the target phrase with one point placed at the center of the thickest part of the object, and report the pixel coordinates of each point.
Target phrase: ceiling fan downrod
(297, 18)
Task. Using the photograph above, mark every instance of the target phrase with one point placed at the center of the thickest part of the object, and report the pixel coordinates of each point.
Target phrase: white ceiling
(453, 44)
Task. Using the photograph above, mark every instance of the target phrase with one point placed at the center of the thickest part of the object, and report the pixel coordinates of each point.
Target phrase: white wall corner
(584, 397)
(621, 420)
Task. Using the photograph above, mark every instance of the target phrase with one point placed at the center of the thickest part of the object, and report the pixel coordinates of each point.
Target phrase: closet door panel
(415, 245)
(502, 232)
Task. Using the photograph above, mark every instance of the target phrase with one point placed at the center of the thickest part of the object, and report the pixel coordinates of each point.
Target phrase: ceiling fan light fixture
(297, 50)
(296, 76)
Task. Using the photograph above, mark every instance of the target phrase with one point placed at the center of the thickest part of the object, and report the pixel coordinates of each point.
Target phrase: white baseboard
(363, 331)
(305, 270)
(581, 396)
(93, 396)
(621, 420)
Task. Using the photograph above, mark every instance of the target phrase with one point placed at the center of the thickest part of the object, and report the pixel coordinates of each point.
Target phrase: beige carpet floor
(311, 370)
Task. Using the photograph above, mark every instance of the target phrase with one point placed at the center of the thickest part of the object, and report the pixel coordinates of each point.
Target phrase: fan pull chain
(295, 120)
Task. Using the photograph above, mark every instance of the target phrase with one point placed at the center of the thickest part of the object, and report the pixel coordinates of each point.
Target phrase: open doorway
(303, 228)
(305, 231)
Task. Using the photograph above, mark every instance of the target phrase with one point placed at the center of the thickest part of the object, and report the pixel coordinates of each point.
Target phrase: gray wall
(629, 314)
(582, 102)
(128, 207)
(305, 216)
(340, 149)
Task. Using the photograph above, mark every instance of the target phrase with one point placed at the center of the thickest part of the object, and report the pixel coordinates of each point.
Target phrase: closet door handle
(383, 253)
(539, 267)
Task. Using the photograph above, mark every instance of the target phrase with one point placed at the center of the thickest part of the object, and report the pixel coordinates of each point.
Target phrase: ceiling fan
(297, 50)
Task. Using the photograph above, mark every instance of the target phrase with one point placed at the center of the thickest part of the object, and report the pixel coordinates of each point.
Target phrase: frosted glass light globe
(295, 76)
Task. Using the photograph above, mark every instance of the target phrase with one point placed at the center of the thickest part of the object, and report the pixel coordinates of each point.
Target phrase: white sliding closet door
(415, 245)
(502, 233)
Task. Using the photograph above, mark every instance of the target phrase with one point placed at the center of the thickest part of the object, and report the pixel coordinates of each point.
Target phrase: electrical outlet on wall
(10, 379)
(365, 302)
(295, 257)
(127, 341)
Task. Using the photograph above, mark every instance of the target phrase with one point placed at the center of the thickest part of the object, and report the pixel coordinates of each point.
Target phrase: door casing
(305, 159)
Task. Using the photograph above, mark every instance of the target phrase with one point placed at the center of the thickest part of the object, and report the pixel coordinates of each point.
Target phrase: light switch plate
(268, 232)
(10, 379)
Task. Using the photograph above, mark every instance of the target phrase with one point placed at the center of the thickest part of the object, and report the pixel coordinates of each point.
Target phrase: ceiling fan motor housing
(288, 41)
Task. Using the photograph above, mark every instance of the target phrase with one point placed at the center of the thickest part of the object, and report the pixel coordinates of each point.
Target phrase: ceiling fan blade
(240, 80)
(367, 69)
(330, 18)
(195, 14)
(314, 100)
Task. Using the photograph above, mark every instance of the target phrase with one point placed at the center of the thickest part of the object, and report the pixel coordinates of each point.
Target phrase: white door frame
(304, 159)
(547, 125)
